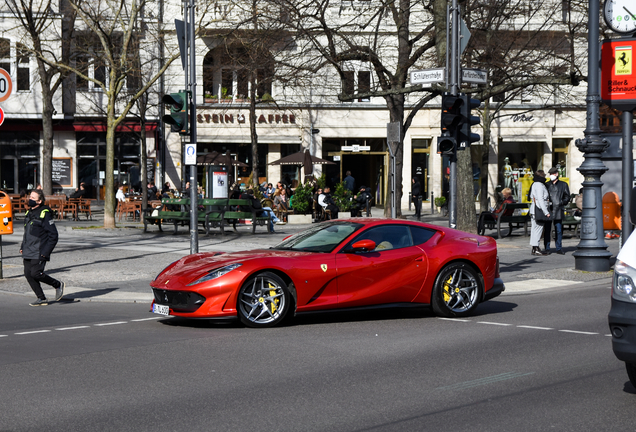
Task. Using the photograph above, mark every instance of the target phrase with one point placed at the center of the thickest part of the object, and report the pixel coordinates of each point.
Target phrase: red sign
(618, 73)
(1, 116)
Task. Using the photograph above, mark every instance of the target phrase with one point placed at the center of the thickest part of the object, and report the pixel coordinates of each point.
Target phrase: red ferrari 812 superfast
(340, 264)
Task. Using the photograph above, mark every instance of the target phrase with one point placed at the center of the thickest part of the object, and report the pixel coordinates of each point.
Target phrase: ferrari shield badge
(323, 267)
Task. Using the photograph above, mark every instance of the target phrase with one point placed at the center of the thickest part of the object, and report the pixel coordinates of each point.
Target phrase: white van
(622, 316)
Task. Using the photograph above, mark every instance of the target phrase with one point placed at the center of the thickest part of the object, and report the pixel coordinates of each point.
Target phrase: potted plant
(301, 204)
(439, 203)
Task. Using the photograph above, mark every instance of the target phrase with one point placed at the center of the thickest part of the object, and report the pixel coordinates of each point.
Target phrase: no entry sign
(618, 73)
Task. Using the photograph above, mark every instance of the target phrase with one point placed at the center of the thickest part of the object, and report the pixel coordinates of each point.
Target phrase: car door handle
(419, 258)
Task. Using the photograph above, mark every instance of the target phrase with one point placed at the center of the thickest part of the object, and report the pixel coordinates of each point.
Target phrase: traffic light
(178, 117)
(465, 136)
(451, 122)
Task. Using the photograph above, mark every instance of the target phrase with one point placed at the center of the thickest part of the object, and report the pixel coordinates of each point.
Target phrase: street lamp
(591, 254)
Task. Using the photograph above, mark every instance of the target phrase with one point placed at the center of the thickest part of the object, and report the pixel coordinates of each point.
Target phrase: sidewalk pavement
(117, 265)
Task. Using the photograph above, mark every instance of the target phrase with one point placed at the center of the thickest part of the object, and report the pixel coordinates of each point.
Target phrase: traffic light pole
(194, 208)
(454, 90)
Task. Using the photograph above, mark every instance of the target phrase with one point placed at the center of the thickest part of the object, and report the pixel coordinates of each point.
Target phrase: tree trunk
(466, 214)
(47, 131)
(109, 193)
(253, 134)
(485, 157)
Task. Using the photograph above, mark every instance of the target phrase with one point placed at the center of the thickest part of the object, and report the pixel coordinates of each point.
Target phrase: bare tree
(527, 47)
(108, 41)
(48, 35)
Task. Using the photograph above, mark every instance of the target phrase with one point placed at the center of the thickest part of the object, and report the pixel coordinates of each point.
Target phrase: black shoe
(59, 291)
(560, 252)
(547, 251)
(39, 302)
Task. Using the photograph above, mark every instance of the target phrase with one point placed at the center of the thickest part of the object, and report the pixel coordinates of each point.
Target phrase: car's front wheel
(263, 301)
(456, 291)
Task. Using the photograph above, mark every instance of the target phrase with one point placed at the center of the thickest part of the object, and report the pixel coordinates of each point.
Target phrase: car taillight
(497, 268)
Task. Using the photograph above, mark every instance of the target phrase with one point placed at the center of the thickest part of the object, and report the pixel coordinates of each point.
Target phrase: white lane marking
(146, 319)
(493, 323)
(110, 323)
(484, 381)
(72, 328)
(521, 326)
(4, 335)
(535, 327)
(578, 332)
(33, 332)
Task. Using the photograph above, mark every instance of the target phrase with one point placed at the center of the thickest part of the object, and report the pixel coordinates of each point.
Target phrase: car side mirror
(363, 246)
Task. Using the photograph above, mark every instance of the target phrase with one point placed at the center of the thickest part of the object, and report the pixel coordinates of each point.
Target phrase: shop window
(560, 149)
(420, 157)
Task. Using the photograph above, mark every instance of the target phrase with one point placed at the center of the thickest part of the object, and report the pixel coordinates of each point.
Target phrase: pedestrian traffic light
(446, 144)
(178, 117)
(465, 136)
(451, 121)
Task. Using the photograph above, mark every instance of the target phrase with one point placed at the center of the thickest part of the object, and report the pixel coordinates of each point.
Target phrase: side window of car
(387, 237)
(421, 235)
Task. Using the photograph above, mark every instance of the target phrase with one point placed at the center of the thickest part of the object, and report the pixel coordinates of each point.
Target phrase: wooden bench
(496, 220)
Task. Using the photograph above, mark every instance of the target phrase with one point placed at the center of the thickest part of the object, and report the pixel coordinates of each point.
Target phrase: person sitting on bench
(491, 217)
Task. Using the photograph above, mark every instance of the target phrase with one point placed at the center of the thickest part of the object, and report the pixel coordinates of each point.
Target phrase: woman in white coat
(539, 197)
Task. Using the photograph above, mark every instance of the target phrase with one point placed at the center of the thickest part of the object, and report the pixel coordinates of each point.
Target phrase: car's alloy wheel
(456, 291)
(263, 300)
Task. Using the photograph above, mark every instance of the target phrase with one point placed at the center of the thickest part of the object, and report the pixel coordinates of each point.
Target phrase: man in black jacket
(559, 198)
(40, 238)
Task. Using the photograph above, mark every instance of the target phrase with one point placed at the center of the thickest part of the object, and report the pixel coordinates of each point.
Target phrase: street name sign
(475, 76)
(5, 85)
(618, 73)
(427, 77)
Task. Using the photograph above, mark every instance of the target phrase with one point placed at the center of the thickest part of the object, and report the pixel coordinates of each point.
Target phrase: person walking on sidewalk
(539, 197)
(40, 238)
(559, 198)
(416, 193)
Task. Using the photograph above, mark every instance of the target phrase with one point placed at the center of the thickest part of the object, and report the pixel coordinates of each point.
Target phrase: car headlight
(622, 283)
(215, 273)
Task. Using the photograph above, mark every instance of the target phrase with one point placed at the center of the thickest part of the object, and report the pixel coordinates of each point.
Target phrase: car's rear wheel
(456, 291)
(264, 300)
(631, 372)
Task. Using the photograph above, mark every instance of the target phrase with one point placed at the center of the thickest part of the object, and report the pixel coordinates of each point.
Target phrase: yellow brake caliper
(447, 289)
(272, 293)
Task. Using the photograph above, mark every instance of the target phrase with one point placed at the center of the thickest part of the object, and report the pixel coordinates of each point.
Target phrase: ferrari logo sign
(623, 57)
(323, 267)
(618, 76)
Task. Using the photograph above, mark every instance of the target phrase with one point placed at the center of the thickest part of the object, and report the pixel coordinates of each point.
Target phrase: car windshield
(323, 237)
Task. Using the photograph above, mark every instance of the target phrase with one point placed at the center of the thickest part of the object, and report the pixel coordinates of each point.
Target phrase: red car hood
(192, 267)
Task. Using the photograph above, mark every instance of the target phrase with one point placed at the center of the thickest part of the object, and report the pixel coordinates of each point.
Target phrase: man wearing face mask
(559, 198)
(40, 237)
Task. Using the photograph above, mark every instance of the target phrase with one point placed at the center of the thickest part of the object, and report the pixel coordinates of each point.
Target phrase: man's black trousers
(34, 273)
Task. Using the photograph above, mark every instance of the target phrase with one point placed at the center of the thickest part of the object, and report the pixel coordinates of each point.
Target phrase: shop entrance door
(368, 170)
(10, 175)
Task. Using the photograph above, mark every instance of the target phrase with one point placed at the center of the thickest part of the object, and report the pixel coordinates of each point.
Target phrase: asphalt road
(528, 361)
